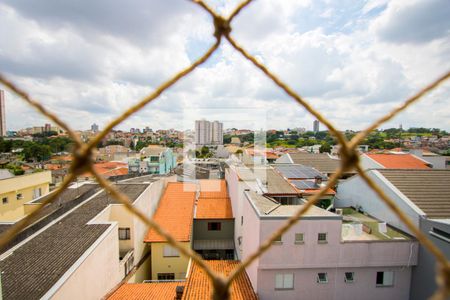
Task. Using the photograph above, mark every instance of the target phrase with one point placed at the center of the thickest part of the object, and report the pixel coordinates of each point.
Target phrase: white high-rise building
(316, 126)
(2, 114)
(216, 133)
(208, 133)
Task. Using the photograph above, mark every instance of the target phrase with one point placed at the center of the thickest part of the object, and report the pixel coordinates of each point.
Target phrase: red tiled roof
(175, 212)
(198, 285)
(214, 208)
(146, 291)
(213, 188)
(399, 161)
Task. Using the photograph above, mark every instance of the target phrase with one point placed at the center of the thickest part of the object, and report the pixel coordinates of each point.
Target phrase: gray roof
(320, 161)
(428, 189)
(152, 151)
(274, 182)
(267, 206)
(33, 268)
(294, 171)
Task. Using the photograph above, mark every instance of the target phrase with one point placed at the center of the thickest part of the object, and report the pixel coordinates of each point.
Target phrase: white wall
(368, 163)
(354, 191)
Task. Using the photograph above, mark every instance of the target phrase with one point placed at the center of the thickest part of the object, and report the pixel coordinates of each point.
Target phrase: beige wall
(161, 264)
(25, 185)
(95, 273)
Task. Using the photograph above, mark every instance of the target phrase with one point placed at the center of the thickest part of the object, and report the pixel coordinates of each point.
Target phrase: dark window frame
(127, 232)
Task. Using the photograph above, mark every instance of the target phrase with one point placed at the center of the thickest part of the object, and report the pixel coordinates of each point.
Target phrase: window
(385, 278)
(166, 276)
(242, 220)
(284, 281)
(440, 234)
(299, 238)
(154, 158)
(322, 238)
(349, 277)
(37, 193)
(5, 200)
(214, 226)
(169, 251)
(322, 278)
(124, 234)
(19, 196)
(278, 240)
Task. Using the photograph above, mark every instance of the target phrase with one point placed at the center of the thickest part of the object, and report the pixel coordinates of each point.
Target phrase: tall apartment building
(208, 133)
(316, 126)
(2, 114)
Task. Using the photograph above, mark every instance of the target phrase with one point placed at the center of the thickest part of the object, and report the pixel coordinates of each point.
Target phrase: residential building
(84, 251)
(325, 255)
(252, 156)
(213, 221)
(197, 286)
(437, 161)
(154, 160)
(115, 153)
(316, 126)
(208, 133)
(392, 161)
(18, 190)
(108, 169)
(175, 214)
(2, 114)
(94, 128)
(322, 162)
(421, 194)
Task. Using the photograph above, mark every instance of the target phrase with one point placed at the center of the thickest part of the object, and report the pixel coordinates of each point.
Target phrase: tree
(325, 148)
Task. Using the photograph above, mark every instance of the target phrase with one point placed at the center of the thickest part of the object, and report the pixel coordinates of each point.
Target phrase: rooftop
(198, 285)
(146, 291)
(214, 208)
(273, 183)
(295, 171)
(429, 189)
(321, 162)
(175, 212)
(361, 227)
(399, 161)
(213, 188)
(267, 206)
(34, 267)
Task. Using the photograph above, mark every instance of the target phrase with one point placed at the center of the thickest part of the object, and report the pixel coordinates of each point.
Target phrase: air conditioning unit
(339, 211)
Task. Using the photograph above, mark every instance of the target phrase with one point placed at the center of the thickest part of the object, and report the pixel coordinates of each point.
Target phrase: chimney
(179, 292)
(318, 180)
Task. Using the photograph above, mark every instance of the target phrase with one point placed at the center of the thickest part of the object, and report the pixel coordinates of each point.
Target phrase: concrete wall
(355, 192)
(95, 273)
(161, 264)
(201, 231)
(423, 283)
(25, 185)
(250, 241)
(363, 287)
(368, 163)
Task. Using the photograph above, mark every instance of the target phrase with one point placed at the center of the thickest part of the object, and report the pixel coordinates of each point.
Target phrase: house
(325, 255)
(83, 251)
(115, 153)
(18, 190)
(175, 215)
(392, 161)
(213, 222)
(322, 162)
(154, 160)
(197, 286)
(252, 156)
(437, 161)
(423, 195)
(108, 169)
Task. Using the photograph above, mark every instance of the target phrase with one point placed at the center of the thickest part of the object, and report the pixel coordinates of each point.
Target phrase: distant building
(316, 126)
(2, 114)
(18, 190)
(94, 127)
(208, 133)
(154, 160)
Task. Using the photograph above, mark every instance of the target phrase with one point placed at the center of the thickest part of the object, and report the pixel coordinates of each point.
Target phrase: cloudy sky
(353, 60)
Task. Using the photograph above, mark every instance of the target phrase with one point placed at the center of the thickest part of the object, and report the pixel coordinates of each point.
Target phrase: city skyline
(341, 58)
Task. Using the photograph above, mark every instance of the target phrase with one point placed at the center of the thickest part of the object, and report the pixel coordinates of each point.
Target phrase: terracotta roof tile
(399, 161)
(198, 285)
(175, 212)
(214, 208)
(144, 291)
(213, 188)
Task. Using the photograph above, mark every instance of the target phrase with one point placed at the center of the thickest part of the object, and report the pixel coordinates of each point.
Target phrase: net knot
(221, 290)
(349, 157)
(82, 160)
(221, 27)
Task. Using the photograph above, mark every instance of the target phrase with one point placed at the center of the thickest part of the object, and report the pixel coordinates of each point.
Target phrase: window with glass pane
(385, 278)
(277, 240)
(322, 278)
(299, 238)
(322, 237)
(169, 251)
(124, 234)
(349, 277)
(284, 281)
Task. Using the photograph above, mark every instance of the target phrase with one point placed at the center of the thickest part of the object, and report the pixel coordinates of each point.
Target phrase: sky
(88, 61)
